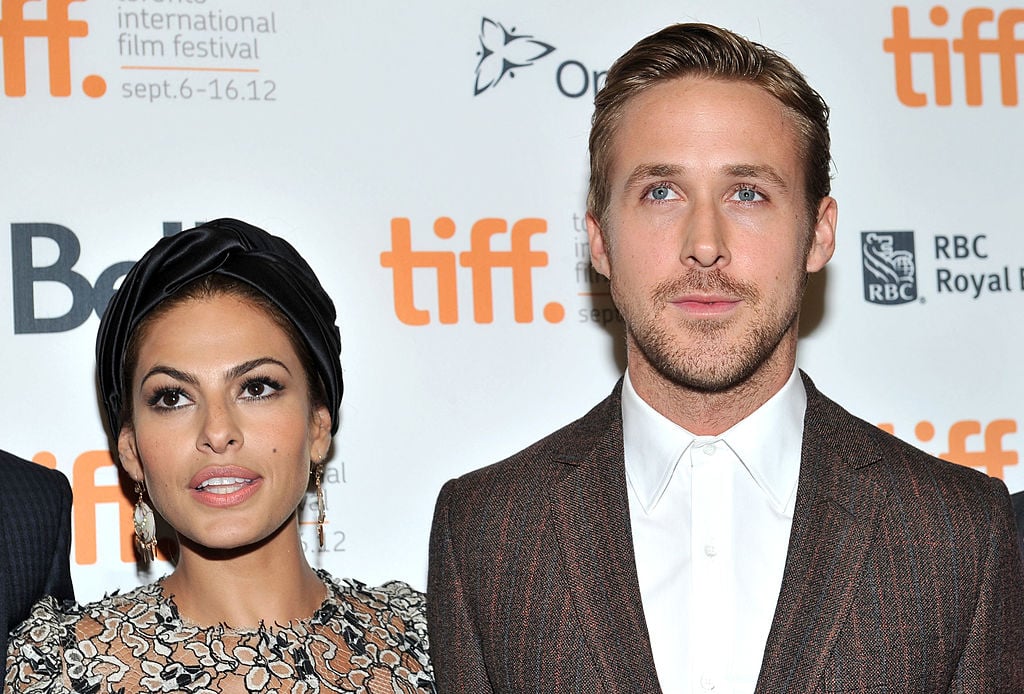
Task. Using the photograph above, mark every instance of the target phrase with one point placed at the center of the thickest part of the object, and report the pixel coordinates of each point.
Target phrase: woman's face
(223, 429)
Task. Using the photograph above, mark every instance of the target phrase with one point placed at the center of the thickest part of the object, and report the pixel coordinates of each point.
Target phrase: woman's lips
(225, 486)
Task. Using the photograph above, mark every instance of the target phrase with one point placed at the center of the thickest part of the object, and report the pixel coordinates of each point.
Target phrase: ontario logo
(890, 267)
(57, 28)
(502, 52)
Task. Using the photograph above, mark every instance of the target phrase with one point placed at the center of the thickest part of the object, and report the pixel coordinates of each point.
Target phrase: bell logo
(58, 29)
(481, 259)
(970, 45)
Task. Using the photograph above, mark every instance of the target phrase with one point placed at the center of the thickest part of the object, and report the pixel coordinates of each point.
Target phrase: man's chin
(709, 381)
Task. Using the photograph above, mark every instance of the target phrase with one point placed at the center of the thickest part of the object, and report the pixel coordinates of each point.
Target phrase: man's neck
(706, 413)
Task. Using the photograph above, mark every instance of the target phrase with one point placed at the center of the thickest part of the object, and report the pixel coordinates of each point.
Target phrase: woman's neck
(270, 583)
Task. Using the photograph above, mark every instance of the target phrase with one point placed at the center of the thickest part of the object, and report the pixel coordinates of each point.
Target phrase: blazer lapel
(834, 524)
(590, 512)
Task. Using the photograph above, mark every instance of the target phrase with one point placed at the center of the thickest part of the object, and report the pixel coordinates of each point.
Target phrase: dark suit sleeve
(993, 656)
(455, 647)
(35, 529)
(35, 536)
(58, 581)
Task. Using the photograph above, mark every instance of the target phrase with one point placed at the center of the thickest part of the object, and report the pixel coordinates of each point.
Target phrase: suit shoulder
(20, 478)
(865, 444)
(571, 445)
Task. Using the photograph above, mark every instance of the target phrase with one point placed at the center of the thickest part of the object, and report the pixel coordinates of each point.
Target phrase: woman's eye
(169, 399)
(258, 389)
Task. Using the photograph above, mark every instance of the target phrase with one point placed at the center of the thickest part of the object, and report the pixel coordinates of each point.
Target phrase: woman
(218, 364)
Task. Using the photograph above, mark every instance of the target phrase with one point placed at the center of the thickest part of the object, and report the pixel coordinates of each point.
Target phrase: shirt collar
(767, 442)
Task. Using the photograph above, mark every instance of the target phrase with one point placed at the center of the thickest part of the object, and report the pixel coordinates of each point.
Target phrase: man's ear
(598, 247)
(823, 243)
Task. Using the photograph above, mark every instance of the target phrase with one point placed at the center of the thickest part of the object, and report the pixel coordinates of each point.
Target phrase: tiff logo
(971, 45)
(58, 29)
(481, 260)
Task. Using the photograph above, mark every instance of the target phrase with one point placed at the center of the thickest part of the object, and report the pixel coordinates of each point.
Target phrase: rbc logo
(890, 270)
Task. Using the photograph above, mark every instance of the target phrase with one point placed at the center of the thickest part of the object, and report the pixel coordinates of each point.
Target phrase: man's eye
(660, 193)
(747, 195)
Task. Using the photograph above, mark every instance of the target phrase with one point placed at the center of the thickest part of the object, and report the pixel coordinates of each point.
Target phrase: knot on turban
(235, 249)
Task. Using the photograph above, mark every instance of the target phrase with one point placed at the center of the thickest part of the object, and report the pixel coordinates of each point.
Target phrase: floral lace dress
(360, 639)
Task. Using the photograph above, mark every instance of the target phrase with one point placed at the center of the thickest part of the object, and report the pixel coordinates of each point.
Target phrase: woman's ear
(320, 433)
(128, 452)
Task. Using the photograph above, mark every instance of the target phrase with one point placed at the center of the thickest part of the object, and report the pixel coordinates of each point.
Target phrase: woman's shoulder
(51, 618)
(392, 615)
(36, 654)
(394, 596)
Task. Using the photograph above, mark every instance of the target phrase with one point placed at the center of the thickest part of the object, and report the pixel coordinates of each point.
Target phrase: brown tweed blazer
(1018, 511)
(902, 575)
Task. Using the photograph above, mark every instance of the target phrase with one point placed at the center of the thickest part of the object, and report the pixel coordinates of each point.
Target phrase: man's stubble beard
(705, 361)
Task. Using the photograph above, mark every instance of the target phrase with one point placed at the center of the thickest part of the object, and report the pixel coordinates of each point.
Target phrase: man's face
(706, 241)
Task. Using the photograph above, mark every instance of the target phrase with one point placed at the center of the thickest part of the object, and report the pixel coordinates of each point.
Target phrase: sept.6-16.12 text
(189, 88)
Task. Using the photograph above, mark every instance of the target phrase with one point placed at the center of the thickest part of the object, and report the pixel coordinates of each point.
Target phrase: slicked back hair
(706, 51)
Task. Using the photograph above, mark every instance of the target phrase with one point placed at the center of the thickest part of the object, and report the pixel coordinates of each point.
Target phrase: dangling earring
(145, 526)
(321, 504)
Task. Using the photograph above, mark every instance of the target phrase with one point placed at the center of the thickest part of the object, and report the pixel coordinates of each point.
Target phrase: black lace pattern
(360, 639)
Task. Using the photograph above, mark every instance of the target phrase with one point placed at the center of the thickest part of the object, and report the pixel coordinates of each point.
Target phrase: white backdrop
(339, 124)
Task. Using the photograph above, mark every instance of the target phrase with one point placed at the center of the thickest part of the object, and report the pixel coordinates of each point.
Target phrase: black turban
(234, 249)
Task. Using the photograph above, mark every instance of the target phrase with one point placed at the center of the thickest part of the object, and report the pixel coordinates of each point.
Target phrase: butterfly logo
(502, 51)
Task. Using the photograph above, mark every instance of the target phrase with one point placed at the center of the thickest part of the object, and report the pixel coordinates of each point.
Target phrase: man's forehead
(702, 112)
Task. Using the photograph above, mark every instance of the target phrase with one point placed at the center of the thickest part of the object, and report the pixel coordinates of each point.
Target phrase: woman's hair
(225, 256)
(208, 287)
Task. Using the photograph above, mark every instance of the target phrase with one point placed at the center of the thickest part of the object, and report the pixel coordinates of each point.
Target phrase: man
(35, 540)
(717, 524)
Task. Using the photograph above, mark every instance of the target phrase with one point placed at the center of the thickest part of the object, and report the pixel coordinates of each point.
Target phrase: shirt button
(706, 683)
(709, 449)
(710, 550)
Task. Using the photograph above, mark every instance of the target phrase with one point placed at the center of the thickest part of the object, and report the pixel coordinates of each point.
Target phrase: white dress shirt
(711, 517)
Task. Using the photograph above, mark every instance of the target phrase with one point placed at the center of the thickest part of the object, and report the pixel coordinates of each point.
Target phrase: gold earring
(321, 503)
(145, 526)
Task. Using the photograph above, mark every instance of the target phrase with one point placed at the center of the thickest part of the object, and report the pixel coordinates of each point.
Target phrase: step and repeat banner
(406, 150)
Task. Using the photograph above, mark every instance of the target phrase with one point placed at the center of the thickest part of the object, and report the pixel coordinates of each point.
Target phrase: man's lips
(708, 304)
